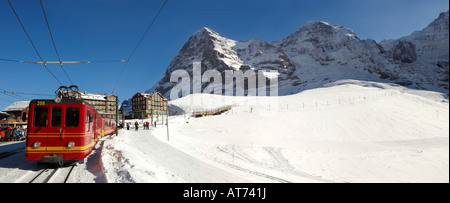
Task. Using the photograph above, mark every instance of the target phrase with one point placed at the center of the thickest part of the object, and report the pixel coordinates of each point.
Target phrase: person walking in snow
(8, 134)
(2, 134)
(17, 134)
(128, 126)
(136, 124)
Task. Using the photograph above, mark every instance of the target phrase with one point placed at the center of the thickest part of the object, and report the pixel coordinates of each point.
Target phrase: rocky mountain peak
(320, 53)
(320, 32)
(205, 32)
(441, 24)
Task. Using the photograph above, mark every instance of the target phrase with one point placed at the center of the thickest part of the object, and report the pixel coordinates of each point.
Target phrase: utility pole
(117, 115)
(123, 115)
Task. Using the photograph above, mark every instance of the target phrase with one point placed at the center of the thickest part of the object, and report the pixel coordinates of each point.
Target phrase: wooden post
(167, 123)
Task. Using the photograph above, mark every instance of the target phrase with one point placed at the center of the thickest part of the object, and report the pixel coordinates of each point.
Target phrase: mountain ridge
(320, 53)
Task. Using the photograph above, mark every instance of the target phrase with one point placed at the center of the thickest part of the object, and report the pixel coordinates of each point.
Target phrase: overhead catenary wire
(53, 41)
(13, 95)
(11, 60)
(16, 96)
(62, 62)
(12, 92)
(138, 44)
(31, 41)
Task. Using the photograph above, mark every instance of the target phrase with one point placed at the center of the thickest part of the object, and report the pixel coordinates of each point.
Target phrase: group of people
(11, 134)
(146, 125)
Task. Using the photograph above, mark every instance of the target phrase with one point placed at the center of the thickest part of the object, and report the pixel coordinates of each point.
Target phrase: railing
(211, 112)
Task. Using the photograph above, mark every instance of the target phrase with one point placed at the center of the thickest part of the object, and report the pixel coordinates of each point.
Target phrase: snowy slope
(350, 131)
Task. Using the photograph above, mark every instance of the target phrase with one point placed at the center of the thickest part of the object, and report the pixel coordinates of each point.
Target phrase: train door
(103, 127)
(56, 132)
(96, 134)
(89, 135)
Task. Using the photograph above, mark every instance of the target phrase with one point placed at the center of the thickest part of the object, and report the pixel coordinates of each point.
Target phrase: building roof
(90, 96)
(144, 94)
(17, 106)
(149, 95)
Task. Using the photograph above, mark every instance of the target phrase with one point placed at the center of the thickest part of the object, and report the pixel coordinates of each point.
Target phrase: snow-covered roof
(17, 106)
(90, 96)
(148, 95)
(4, 113)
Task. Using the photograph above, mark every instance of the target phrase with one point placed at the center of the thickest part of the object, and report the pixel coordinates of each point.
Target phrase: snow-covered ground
(351, 131)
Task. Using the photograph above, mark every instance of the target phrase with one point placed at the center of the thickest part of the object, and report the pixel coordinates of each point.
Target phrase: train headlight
(70, 145)
(36, 145)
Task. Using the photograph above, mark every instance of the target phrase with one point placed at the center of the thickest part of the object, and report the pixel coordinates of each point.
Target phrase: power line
(62, 62)
(11, 92)
(31, 41)
(53, 41)
(13, 95)
(138, 44)
(12, 60)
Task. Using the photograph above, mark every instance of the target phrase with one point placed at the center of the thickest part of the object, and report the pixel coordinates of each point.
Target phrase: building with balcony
(147, 105)
(15, 115)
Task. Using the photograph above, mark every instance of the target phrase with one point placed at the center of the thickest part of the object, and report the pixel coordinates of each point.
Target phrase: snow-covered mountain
(127, 105)
(320, 53)
(426, 52)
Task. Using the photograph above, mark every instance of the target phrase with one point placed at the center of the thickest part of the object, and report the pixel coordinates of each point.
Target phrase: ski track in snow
(161, 161)
(278, 162)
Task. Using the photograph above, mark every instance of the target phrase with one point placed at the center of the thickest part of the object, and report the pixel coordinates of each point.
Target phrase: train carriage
(64, 131)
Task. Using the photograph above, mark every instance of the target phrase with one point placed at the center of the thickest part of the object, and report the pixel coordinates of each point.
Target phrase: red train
(65, 131)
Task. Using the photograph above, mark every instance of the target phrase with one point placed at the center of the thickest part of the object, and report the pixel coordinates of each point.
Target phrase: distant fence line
(297, 106)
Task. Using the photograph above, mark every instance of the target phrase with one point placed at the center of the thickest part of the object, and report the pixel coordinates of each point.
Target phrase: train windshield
(40, 116)
(56, 116)
(72, 117)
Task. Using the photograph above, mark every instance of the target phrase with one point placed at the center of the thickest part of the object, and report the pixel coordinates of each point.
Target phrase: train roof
(63, 101)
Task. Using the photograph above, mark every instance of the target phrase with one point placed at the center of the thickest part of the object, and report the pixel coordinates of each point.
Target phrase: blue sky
(110, 29)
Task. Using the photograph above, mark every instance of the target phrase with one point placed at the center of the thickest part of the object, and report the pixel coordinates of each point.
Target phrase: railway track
(53, 175)
(10, 153)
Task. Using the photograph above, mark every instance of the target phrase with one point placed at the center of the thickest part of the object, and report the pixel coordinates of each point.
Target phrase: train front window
(72, 116)
(56, 116)
(40, 116)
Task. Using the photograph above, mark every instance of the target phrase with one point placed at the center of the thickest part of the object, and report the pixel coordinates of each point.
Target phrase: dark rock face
(404, 51)
(443, 70)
